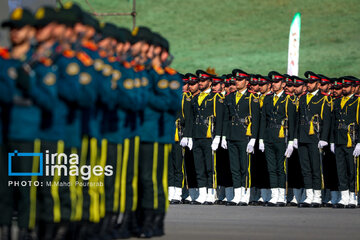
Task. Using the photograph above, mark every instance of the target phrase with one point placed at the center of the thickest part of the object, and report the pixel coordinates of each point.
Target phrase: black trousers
(203, 160)
(345, 167)
(176, 166)
(20, 198)
(223, 168)
(259, 171)
(295, 179)
(129, 176)
(153, 176)
(190, 173)
(310, 165)
(331, 180)
(274, 153)
(240, 163)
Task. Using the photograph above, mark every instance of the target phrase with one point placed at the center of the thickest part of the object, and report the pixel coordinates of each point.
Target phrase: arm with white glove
(223, 142)
(332, 147)
(289, 149)
(215, 143)
(184, 142)
(261, 145)
(190, 143)
(356, 152)
(322, 144)
(250, 146)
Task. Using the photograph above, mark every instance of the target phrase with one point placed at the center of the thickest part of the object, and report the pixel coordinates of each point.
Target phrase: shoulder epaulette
(84, 58)
(46, 61)
(90, 45)
(170, 70)
(4, 53)
(139, 68)
(159, 70)
(69, 53)
(127, 64)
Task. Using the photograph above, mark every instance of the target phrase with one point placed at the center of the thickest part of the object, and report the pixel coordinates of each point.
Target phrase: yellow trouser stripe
(55, 186)
(73, 199)
(93, 191)
(357, 174)
(167, 148)
(215, 173)
(117, 178)
(182, 168)
(285, 165)
(35, 166)
(79, 204)
(123, 175)
(101, 189)
(154, 175)
(249, 172)
(136, 174)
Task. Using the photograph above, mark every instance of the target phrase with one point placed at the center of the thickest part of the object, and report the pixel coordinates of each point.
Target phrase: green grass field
(249, 34)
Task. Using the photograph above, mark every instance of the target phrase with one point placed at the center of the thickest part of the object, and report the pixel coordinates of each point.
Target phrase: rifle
(213, 154)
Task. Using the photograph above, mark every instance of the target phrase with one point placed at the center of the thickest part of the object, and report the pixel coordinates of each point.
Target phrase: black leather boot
(147, 224)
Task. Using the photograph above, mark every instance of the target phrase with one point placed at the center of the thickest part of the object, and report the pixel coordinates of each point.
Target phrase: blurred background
(247, 34)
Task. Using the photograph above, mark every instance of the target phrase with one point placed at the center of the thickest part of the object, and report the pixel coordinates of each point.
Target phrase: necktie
(201, 98)
(343, 101)
(238, 97)
(308, 98)
(276, 98)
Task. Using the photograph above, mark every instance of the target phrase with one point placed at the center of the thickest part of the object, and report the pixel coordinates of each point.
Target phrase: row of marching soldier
(275, 140)
(72, 85)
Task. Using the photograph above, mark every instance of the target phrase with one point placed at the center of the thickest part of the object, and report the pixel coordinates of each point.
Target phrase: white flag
(294, 46)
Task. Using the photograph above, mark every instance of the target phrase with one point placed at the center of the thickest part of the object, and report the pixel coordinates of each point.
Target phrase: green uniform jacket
(211, 107)
(273, 127)
(319, 105)
(342, 118)
(236, 123)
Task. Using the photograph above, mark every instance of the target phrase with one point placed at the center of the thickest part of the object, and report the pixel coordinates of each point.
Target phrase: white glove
(250, 146)
(289, 149)
(261, 145)
(190, 143)
(296, 145)
(356, 152)
(322, 144)
(215, 143)
(332, 147)
(223, 142)
(184, 142)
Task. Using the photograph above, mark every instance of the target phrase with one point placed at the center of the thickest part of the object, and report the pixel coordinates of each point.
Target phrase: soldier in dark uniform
(314, 126)
(176, 164)
(185, 143)
(241, 129)
(261, 164)
(329, 166)
(295, 181)
(345, 132)
(277, 126)
(207, 116)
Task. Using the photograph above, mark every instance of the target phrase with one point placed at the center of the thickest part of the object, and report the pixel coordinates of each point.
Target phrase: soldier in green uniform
(314, 116)
(277, 126)
(207, 117)
(241, 129)
(345, 132)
